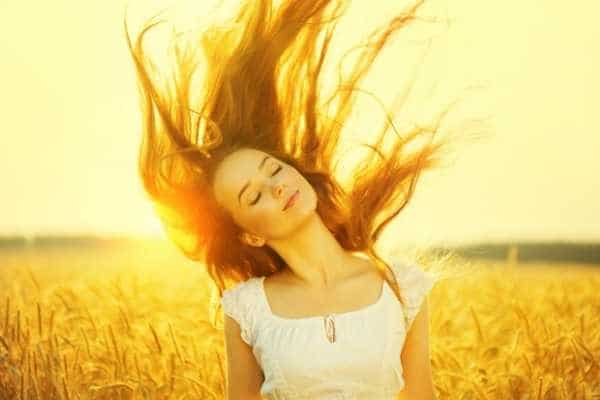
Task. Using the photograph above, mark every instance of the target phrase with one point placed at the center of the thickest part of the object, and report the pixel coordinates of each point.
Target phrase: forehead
(235, 170)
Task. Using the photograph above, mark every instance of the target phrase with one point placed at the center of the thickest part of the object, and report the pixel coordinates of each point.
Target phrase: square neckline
(365, 309)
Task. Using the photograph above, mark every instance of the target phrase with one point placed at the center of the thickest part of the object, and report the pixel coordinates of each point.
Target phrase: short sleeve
(236, 304)
(415, 284)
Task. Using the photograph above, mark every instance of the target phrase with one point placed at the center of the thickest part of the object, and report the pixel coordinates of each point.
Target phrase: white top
(299, 362)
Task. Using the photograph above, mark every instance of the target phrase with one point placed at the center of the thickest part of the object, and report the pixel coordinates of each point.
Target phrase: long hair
(261, 90)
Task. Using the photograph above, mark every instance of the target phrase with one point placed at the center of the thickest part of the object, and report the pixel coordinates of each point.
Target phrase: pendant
(329, 322)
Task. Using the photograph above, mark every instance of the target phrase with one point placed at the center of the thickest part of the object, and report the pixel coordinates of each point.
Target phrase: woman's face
(255, 188)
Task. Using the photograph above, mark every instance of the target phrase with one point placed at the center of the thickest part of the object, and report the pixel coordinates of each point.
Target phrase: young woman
(326, 325)
(243, 178)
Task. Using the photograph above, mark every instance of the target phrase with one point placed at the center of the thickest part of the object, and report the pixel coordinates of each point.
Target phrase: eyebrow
(248, 183)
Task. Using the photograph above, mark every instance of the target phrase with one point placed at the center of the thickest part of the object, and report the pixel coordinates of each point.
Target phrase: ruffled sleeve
(415, 284)
(237, 303)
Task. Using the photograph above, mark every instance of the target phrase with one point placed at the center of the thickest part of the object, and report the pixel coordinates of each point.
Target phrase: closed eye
(279, 168)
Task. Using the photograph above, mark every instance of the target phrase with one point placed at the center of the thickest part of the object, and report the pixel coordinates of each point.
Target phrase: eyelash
(279, 168)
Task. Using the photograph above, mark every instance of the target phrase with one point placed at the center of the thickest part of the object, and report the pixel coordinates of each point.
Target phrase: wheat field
(134, 323)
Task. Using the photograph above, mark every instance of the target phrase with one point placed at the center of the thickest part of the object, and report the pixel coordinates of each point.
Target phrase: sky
(71, 120)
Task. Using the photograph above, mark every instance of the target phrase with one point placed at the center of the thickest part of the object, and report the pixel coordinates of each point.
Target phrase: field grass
(115, 323)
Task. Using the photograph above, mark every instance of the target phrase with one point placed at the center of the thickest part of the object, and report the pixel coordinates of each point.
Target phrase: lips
(292, 198)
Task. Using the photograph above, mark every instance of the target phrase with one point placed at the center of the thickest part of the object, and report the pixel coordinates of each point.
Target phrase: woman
(244, 180)
(324, 296)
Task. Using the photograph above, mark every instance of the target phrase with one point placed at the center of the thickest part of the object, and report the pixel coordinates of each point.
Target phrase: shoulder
(239, 302)
(241, 295)
(239, 288)
(410, 273)
(414, 283)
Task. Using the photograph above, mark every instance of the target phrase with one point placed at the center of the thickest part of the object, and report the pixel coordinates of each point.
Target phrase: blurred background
(97, 303)
(71, 122)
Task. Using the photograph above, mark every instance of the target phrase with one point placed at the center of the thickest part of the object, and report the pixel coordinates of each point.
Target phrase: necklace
(329, 322)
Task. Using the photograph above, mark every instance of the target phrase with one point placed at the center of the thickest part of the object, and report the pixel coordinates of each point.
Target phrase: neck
(313, 255)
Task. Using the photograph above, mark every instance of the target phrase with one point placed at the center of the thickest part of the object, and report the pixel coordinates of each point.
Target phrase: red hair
(261, 90)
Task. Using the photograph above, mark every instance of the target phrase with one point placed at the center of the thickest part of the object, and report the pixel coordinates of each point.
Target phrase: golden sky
(71, 122)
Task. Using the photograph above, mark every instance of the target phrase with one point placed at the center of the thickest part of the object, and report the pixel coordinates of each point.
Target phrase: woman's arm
(244, 375)
(415, 360)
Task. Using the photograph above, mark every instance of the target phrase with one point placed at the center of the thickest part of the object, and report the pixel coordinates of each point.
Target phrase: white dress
(299, 362)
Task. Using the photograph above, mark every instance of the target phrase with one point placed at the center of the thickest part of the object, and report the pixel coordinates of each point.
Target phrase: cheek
(263, 214)
(264, 219)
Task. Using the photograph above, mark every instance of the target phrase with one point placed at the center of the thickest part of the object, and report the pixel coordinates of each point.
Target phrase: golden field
(134, 323)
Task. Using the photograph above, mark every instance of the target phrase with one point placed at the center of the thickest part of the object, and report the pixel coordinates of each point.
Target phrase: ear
(252, 239)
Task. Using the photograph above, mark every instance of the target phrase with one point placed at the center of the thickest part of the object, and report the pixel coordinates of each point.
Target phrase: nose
(279, 190)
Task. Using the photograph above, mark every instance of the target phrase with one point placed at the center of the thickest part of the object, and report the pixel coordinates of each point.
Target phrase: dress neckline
(367, 308)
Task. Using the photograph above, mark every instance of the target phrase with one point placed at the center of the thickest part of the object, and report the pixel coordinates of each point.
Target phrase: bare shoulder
(366, 273)
(362, 272)
(361, 286)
